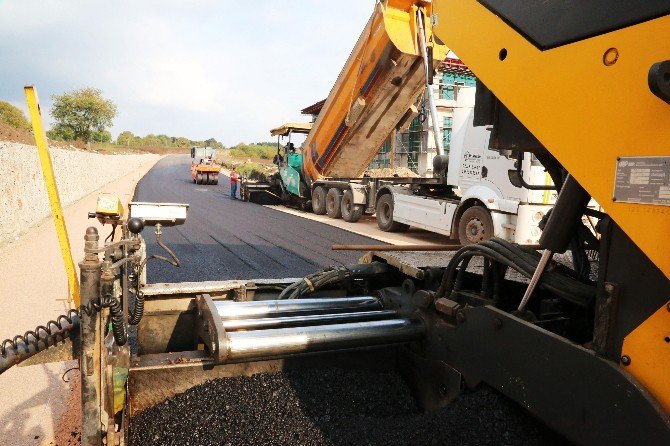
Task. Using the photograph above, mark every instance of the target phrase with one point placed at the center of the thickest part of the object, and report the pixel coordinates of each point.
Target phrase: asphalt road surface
(229, 239)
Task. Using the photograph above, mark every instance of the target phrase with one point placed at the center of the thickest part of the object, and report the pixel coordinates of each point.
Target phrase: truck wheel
(475, 225)
(334, 203)
(216, 178)
(384, 213)
(319, 200)
(351, 212)
(198, 178)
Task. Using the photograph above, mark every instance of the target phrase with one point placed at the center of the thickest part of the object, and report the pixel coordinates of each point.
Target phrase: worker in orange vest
(234, 178)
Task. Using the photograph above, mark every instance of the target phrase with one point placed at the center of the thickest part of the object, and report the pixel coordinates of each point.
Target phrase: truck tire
(216, 178)
(198, 178)
(334, 203)
(475, 225)
(351, 212)
(384, 214)
(319, 200)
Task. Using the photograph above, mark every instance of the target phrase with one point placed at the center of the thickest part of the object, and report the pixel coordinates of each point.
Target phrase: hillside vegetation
(253, 151)
(12, 116)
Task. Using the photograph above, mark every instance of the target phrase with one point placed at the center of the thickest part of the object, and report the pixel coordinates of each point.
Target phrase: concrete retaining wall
(23, 197)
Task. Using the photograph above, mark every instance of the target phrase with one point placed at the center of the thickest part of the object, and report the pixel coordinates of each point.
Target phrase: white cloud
(226, 69)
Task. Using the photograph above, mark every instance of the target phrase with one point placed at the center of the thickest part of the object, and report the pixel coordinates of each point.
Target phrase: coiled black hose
(22, 347)
(137, 311)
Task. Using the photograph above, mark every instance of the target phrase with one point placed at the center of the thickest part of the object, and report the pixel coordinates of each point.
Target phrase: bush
(60, 133)
(13, 116)
(236, 153)
(265, 152)
(252, 171)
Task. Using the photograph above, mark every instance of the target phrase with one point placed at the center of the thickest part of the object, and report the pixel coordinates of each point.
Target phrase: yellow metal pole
(52, 191)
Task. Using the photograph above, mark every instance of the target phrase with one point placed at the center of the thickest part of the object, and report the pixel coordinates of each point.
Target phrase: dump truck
(583, 350)
(204, 169)
(374, 93)
(473, 193)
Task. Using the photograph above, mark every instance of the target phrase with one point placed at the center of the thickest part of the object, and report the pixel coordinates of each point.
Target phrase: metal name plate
(643, 179)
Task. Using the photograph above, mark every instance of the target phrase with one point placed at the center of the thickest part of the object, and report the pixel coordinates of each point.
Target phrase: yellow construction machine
(583, 345)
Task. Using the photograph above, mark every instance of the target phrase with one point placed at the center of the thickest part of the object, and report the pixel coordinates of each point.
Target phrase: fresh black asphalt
(230, 239)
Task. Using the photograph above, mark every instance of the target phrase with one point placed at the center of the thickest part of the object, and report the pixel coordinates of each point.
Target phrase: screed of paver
(37, 405)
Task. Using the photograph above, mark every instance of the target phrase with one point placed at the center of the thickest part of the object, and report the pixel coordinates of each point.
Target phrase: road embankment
(23, 197)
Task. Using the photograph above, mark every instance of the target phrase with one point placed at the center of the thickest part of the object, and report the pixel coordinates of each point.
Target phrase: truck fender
(388, 189)
(486, 196)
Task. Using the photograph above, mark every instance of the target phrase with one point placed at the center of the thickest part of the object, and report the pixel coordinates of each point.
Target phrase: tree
(82, 113)
(182, 142)
(61, 133)
(166, 141)
(13, 116)
(125, 138)
(212, 142)
(151, 141)
(101, 136)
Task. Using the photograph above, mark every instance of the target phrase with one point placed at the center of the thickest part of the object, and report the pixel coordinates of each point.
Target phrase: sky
(199, 69)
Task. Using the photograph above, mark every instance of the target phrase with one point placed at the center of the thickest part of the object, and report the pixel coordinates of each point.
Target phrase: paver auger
(585, 351)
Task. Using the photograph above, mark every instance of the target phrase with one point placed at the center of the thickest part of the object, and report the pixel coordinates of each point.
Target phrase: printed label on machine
(643, 179)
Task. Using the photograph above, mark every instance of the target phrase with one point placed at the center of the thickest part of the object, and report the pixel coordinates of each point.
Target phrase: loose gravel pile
(330, 407)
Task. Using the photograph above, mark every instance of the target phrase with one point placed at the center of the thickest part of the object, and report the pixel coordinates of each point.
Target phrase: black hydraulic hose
(137, 311)
(316, 281)
(523, 261)
(107, 300)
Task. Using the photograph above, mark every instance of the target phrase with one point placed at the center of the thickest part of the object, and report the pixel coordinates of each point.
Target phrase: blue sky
(200, 69)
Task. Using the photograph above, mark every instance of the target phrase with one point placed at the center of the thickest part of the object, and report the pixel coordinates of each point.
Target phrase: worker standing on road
(234, 178)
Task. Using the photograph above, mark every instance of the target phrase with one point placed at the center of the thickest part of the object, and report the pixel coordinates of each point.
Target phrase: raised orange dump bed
(374, 92)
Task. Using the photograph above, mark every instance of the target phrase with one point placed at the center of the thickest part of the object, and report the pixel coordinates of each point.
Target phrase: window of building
(446, 131)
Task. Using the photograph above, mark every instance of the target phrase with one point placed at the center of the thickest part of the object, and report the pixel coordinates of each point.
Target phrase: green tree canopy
(82, 113)
(151, 140)
(61, 133)
(13, 116)
(125, 138)
(101, 136)
(183, 142)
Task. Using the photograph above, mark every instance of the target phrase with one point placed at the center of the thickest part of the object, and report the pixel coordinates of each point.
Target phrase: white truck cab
(487, 204)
